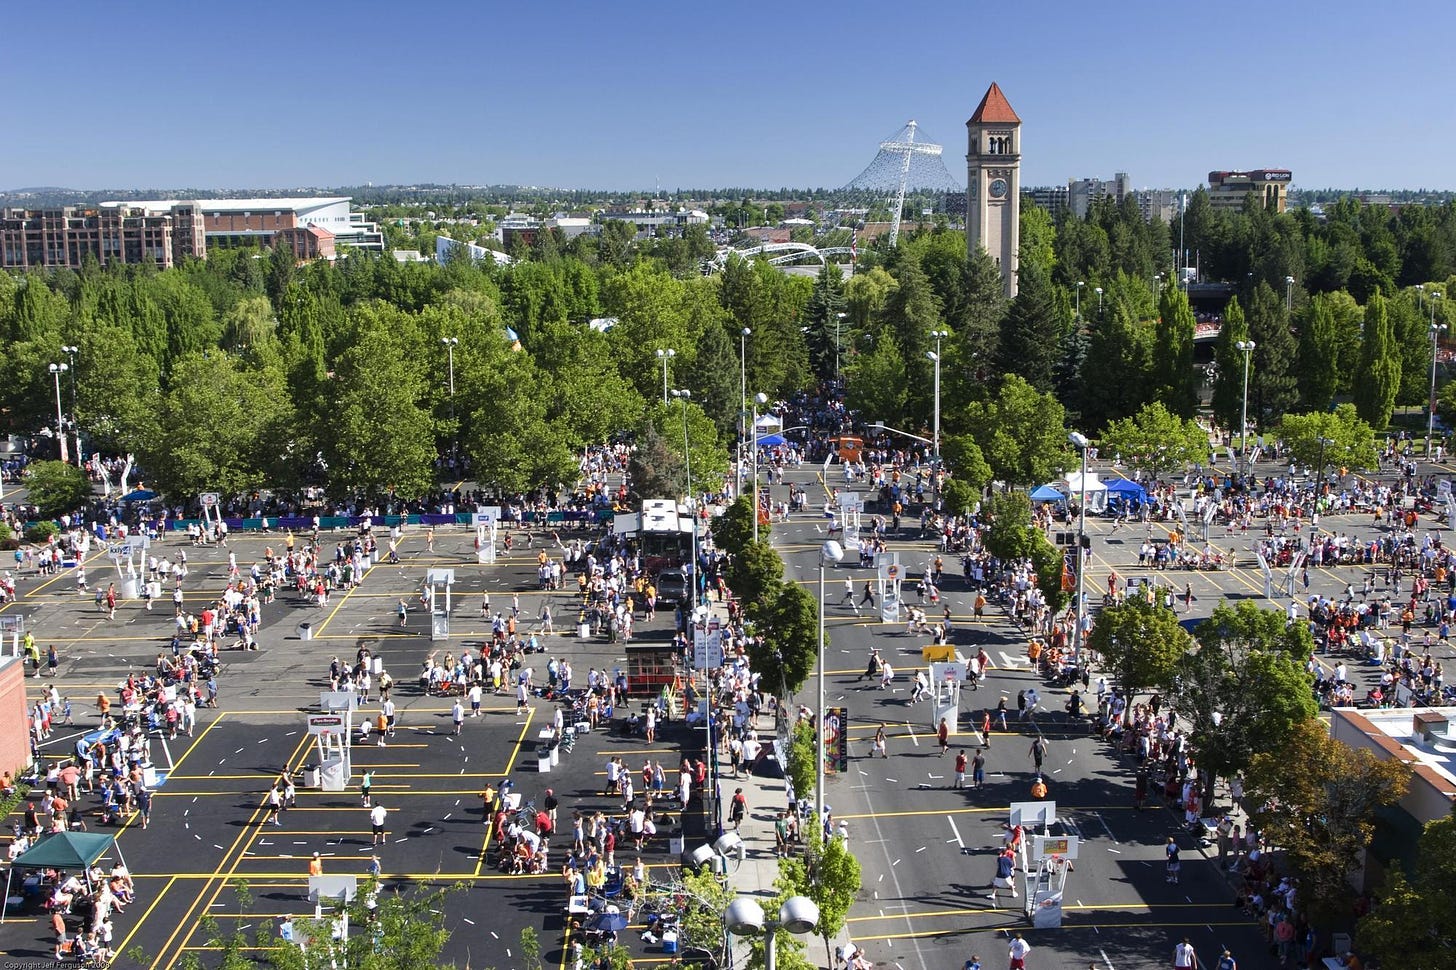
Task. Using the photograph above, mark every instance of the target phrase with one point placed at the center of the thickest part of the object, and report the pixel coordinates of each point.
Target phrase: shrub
(41, 533)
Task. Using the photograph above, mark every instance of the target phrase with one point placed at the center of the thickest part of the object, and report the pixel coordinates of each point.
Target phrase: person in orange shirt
(316, 865)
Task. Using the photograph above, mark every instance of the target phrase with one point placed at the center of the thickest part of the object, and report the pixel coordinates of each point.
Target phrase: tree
(877, 383)
(1377, 378)
(733, 527)
(1021, 432)
(57, 488)
(1154, 441)
(972, 352)
(1031, 334)
(801, 768)
(910, 313)
(1244, 689)
(830, 875)
(827, 331)
(1319, 354)
(1050, 564)
(964, 459)
(789, 624)
(1272, 389)
(713, 371)
(654, 469)
(1414, 923)
(1174, 374)
(1228, 361)
(1322, 814)
(1114, 380)
(1009, 532)
(1338, 438)
(1140, 642)
(754, 573)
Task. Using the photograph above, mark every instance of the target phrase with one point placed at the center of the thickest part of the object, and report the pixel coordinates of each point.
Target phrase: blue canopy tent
(771, 440)
(1126, 488)
(140, 495)
(1047, 493)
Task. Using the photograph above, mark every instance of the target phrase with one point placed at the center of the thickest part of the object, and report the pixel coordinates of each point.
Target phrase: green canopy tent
(63, 850)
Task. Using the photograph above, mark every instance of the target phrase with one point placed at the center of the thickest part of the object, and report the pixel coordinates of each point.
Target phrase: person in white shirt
(1183, 956)
(1017, 951)
(377, 815)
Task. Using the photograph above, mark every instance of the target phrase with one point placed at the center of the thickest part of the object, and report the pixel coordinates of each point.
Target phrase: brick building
(112, 234)
(14, 717)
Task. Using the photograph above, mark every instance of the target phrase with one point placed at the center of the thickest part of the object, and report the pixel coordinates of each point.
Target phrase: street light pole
(1098, 291)
(1247, 346)
(71, 352)
(935, 427)
(663, 357)
(1319, 479)
(838, 323)
(56, 371)
(1435, 339)
(829, 553)
(683, 396)
(1080, 284)
(1288, 293)
(758, 399)
(450, 343)
(743, 433)
(1080, 442)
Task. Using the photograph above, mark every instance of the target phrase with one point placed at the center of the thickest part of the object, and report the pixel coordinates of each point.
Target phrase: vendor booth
(73, 852)
(1096, 491)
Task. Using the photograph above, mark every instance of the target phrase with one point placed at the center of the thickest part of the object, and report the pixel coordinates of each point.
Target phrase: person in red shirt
(960, 769)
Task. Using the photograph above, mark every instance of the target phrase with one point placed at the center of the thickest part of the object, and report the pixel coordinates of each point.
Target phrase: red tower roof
(994, 109)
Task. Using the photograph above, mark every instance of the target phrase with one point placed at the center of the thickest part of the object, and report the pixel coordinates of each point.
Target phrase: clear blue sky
(621, 95)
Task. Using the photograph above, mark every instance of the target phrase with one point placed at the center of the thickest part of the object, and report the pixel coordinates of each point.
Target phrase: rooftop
(994, 109)
(236, 205)
(1431, 743)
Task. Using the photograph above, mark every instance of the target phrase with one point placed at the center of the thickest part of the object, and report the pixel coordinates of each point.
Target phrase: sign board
(1057, 845)
(208, 500)
(836, 740)
(332, 889)
(851, 502)
(946, 673)
(485, 515)
(325, 723)
(708, 644)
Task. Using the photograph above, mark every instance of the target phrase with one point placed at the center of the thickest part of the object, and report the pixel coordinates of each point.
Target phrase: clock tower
(993, 183)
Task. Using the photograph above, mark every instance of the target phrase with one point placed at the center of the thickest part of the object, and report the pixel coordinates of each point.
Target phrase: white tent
(768, 422)
(1096, 490)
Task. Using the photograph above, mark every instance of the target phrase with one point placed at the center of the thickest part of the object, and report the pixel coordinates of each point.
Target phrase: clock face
(997, 188)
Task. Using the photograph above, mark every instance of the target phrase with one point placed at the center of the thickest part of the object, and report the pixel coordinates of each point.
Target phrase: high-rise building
(1081, 193)
(1158, 203)
(993, 183)
(1226, 190)
(1052, 198)
(133, 233)
(255, 222)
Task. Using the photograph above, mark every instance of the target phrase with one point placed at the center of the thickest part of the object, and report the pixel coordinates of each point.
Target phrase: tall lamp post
(1319, 478)
(829, 554)
(1247, 346)
(56, 371)
(450, 343)
(71, 351)
(1080, 284)
(1288, 293)
(838, 324)
(743, 432)
(663, 356)
(1098, 291)
(683, 396)
(1436, 330)
(1080, 442)
(758, 399)
(744, 917)
(935, 426)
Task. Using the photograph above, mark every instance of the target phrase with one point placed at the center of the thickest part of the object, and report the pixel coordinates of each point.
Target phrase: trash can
(583, 631)
(543, 760)
(305, 631)
(677, 842)
(311, 776)
(553, 751)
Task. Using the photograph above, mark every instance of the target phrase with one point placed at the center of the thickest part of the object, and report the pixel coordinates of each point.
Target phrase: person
(978, 768)
(942, 734)
(1226, 961)
(366, 784)
(1183, 956)
(974, 963)
(53, 660)
(739, 808)
(275, 804)
(457, 715)
(1005, 877)
(1038, 751)
(316, 865)
(1017, 952)
(376, 820)
(1038, 788)
(879, 748)
(1171, 851)
(960, 769)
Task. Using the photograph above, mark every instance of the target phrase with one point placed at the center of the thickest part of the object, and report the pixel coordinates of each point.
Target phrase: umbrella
(606, 923)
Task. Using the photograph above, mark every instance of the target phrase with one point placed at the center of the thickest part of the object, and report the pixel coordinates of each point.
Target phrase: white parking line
(956, 832)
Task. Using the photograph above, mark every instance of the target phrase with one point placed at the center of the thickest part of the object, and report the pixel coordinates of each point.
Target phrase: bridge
(778, 254)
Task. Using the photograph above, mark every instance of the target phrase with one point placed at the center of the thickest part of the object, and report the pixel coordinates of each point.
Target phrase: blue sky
(624, 95)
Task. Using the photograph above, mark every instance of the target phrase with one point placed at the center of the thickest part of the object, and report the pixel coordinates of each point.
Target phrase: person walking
(377, 815)
(274, 805)
(960, 769)
(1005, 877)
(366, 784)
(978, 768)
(1038, 751)
(1183, 956)
(457, 715)
(1017, 952)
(53, 660)
(880, 740)
(1171, 851)
(942, 735)
(738, 809)
(849, 595)
(1226, 960)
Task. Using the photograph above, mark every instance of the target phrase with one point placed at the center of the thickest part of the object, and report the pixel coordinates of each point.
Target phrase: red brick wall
(14, 724)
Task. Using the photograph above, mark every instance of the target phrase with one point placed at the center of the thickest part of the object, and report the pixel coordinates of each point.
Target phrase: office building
(131, 233)
(1158, 203)
(1227, 190)
(1051, 198)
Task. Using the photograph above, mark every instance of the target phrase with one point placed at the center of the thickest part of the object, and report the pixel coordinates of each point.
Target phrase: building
(1081, 193)
(1158, 203)
(131, 233)
(255, 222)
(993, 183)
(654, 223)
(14, 716)
(1226, 190)
(1051, 198)
(308, 242)
(1423, 738)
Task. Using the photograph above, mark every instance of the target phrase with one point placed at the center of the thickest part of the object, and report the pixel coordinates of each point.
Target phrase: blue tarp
(770, 440)
(1046, 493)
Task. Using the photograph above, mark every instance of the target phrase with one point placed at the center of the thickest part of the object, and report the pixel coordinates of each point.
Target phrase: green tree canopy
(1377, 377)
(788, 619)
(1339, 436)
(1021, 432)
(1140, 642)
(1413, 924)
(1155, 441)
(57, 488)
